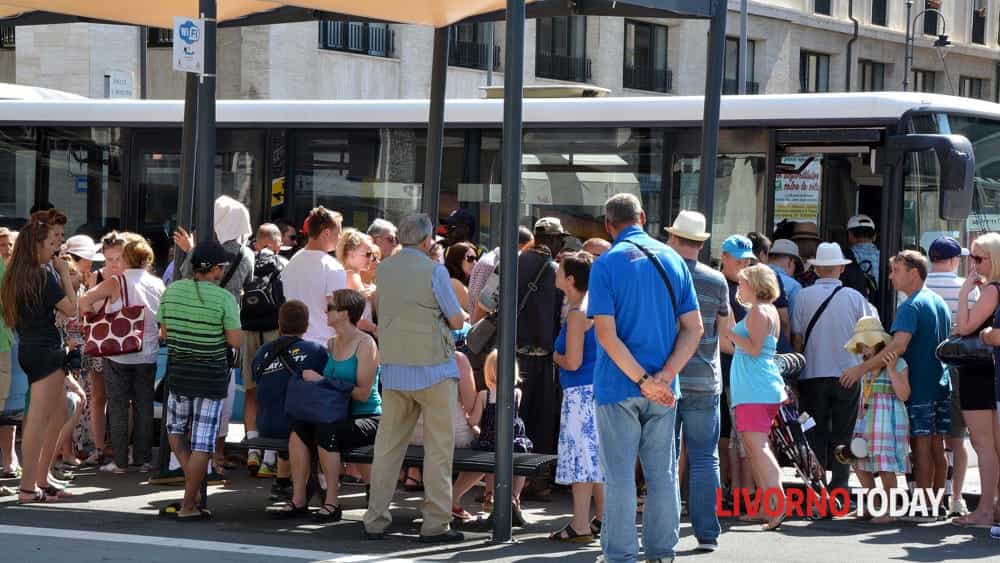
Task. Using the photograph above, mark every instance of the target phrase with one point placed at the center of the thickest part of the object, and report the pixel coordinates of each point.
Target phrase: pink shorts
(755, 417)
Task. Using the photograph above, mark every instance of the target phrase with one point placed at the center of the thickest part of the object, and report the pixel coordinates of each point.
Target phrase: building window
(730, 81)
(375, 39)
(931, 18)
(470, 46)
(814, 72)
(159, 37)
(970, 87)
(923, 81)
(646, 57)
(872, 76)
(561, 48)
(880, 12)
(979, 22)
(823, 7)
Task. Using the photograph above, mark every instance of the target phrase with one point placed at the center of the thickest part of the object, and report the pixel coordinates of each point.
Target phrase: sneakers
(957, 507)
(708, 545)
(266, 471)
(168, 477)
(112, 467)
(253, 462)
(145, 468)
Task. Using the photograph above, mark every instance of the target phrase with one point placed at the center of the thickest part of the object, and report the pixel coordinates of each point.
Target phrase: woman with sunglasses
(354, 252)
(36, 285)
(459, 259)
(977, 391)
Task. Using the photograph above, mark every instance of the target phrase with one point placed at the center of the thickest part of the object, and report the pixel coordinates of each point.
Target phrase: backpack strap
(280, 351)
(233, 267)
(816, 315)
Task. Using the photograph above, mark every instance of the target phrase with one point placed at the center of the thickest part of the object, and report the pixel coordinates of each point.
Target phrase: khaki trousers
(400, 410)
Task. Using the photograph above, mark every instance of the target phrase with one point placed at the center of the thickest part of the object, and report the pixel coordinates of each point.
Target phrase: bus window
(82, 177)
(18, 157)
(985, 137)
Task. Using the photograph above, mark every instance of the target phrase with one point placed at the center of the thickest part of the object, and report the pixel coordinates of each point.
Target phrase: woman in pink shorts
(757, 389)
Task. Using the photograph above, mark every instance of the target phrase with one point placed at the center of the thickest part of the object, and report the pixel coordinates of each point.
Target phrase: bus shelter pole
(204, 193)
(710, 117)
(431, 195)
(511, 178)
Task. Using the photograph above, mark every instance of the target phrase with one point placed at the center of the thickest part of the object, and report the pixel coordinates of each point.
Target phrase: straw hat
(805, 230)
(869, 332)
(689, 225)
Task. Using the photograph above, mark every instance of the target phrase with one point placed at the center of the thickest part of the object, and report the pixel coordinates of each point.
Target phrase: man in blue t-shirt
(646, 318)
(922, 322)
(271, 377)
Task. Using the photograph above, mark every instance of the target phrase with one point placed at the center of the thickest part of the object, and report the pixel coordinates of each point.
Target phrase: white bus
(816, 158)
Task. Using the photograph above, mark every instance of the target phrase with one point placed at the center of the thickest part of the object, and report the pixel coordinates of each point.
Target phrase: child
(484, 416)
(882, 419)
(757, 388)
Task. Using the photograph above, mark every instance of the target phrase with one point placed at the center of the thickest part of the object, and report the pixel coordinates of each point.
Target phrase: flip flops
(202, 514)
(569, 535)
(963, 522)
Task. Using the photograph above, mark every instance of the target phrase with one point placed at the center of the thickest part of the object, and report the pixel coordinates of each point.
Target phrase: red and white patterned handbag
(114, 334)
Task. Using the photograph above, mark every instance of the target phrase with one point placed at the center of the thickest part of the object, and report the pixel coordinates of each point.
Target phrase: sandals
(773, 525)
(415, 487)
(292, 512)
(202, 514)
(56, 492)
(459, 513)
(596, 526)
(966, 522)
(329, 513)
(569, 535)
(37, 496)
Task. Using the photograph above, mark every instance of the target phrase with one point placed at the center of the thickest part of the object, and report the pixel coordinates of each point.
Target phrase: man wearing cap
(537, 329)
(199, 320)
(646, 318)
(701, 380)
(861, 236)
(460, 226)
(825, 315)
(783, 259)
(946, 255)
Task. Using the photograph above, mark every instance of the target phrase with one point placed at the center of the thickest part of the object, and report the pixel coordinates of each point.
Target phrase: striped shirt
(196, 316)
(703, 374)
(947, 285)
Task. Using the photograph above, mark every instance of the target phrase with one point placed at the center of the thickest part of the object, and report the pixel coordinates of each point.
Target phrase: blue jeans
(698, 419)
(637, 427)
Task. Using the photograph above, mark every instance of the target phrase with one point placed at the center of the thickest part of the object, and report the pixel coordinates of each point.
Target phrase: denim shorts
(931, 418)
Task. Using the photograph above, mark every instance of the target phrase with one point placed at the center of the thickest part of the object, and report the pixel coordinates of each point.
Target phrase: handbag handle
(123, 290)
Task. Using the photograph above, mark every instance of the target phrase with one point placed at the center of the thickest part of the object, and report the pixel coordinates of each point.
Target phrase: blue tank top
(756, 379)
(583, 375)
(347, 370)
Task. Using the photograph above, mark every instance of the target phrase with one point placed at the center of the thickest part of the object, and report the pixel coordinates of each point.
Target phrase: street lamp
(940, 43)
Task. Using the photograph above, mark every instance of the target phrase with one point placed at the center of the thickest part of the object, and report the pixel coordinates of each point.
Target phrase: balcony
(7, 37)
(730, 86)
(559, 67)
(473, 54)
(375, 39)
(645, 78)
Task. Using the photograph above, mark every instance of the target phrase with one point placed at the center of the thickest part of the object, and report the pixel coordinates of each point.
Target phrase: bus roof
(793, 109)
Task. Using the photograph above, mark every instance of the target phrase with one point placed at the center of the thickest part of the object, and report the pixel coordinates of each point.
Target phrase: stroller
(788, 438)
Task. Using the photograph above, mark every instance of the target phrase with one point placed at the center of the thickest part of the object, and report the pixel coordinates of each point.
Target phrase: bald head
(596, 246)
(269, 237)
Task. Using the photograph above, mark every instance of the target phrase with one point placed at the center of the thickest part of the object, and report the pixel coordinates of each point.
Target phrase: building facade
(795, 46)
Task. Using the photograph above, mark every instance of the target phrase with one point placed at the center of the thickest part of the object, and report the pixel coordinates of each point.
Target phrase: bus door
(155, 180)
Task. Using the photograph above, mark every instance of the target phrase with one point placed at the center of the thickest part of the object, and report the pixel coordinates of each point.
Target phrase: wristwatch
(642, 380)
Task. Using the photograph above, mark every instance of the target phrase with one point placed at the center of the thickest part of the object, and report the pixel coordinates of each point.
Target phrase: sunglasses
(471, 258)
(978, 259)
(332, 308)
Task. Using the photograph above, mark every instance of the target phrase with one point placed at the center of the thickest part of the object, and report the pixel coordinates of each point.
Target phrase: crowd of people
(641, 368)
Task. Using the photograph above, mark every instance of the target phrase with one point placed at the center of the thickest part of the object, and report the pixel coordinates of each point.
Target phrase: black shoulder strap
(232, 268)
(659, 268)
(279, 351)
(816, 315)
(533, 286)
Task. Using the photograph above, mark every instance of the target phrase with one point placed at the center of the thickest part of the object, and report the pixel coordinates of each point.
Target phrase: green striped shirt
(196, 315)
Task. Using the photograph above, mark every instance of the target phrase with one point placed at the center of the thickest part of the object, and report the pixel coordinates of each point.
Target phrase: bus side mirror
(957, 164)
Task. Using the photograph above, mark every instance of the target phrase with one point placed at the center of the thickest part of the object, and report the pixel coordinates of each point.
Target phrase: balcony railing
(645, 78)
(730, 86)
(375, 39)
(473, 54)
(159, 37)
(7, 37)
(576, 69)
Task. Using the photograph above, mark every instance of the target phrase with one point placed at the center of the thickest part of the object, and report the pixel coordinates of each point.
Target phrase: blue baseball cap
(739, 247)
(946, 248)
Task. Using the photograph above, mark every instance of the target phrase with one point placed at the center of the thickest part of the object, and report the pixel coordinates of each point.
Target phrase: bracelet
(642, 380)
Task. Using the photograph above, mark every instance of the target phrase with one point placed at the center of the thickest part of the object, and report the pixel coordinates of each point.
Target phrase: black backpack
(858, 277)
(263, 295)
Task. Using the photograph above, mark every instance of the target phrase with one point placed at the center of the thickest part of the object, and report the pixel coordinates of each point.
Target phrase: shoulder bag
(114, 334)
(969, 351)
(483, 334)
(322, 402)
(816, 315)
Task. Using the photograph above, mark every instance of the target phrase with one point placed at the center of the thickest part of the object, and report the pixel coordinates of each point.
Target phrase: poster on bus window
(797, 196)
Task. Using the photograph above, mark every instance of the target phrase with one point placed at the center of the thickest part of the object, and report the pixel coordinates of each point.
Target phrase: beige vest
(412, 329)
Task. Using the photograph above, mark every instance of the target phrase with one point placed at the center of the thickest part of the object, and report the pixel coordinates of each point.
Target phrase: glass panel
(84, 177)
(985, 137)
(732, 59)
(18, 157)
(921, 222)
(823, 73)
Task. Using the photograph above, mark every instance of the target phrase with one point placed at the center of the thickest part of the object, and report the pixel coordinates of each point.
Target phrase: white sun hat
(689, 225)
(829, 254)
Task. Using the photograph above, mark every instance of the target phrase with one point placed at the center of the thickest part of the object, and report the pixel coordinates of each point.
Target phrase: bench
(466, 460)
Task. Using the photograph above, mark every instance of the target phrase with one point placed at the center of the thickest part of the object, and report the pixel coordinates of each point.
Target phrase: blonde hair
(137, 252)
(490, 370)
(762, 281)
(350, 240)
(990, 242)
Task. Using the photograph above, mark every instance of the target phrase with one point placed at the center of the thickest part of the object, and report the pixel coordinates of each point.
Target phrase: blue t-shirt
(272, 383)
(583, 375)
(625, 285)
(927, 318)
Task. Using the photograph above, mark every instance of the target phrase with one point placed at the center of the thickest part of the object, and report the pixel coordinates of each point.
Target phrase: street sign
(189, 45)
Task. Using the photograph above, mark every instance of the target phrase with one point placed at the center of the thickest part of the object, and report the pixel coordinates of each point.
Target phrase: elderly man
(701, 380)
(922, 322)
(418, 310)
(784, 259)
(596, 246)
(383, 233)
(645, 312)
(824, 318)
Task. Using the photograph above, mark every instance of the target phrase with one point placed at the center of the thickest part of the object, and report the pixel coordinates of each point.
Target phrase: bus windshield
(985, 137)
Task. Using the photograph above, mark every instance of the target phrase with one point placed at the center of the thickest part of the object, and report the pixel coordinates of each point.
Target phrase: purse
(966, 351)
(114, 334)
(322, 402)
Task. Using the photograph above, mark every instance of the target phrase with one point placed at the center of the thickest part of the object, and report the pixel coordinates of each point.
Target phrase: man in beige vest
(417, 310)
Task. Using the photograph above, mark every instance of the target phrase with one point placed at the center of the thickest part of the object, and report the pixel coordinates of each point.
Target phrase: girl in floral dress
(882, 419)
